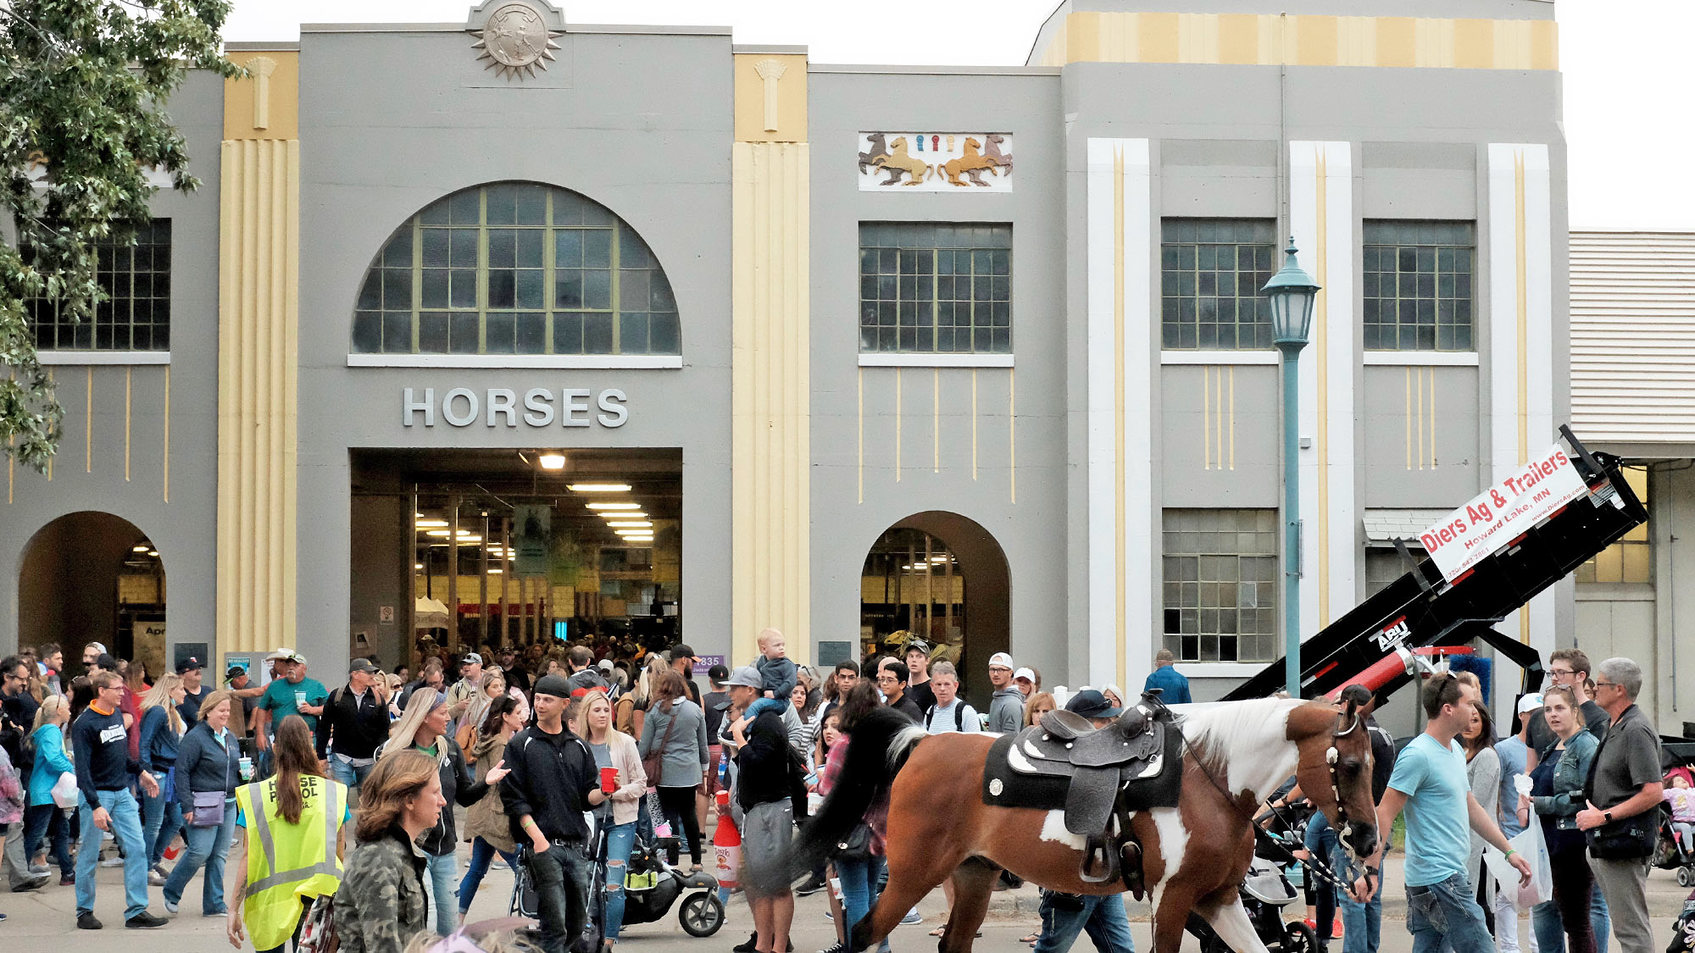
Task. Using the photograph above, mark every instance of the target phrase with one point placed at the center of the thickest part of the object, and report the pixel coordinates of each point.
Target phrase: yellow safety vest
(286, 862)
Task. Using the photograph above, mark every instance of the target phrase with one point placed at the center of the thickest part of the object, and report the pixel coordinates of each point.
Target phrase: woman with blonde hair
(43, 818)
(615, 750)
(1039, 703)
(647, 686)
(287, 821)
(161, 733)
(381, 906)
(208, 771)
(423, 729)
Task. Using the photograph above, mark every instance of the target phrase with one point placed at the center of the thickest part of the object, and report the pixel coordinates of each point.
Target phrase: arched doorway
(943, 577)
(93, 577)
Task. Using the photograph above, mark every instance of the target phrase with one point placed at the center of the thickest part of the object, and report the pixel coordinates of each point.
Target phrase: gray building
(459, 297)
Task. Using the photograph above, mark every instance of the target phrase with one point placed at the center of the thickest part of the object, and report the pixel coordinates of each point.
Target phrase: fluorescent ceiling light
(495, 571)
(153, 552)
(630, 524)
(552, 461)
(438, 532)
(470, 540)
(615, 506)
(599, 488)
(139, 549)
(417, 565)
(634, 532)
(430, 523)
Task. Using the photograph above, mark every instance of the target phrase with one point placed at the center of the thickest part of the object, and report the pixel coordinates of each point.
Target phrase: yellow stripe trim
(1311, 40)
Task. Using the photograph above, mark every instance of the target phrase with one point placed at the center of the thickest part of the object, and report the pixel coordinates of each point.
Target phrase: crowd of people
(254, 788)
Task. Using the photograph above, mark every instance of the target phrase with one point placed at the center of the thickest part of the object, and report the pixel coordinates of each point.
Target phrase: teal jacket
(51, 760)
(1569, 776)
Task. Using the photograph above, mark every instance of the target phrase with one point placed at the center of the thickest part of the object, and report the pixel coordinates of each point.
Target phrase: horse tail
(880, 746)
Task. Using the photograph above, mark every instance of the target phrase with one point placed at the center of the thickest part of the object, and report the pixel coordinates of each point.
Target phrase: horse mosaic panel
(935, 161)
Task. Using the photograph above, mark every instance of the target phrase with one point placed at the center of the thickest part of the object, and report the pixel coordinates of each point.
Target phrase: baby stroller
(1670, 852)
(1265, 892)
(651, 886)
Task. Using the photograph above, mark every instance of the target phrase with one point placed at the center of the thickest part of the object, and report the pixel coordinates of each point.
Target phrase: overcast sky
(1627, 66)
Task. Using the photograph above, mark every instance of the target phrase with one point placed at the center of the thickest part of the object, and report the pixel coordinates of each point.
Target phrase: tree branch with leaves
(84, 87)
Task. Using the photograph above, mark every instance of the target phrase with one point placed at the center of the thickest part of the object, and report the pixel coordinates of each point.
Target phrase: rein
(1322, 868)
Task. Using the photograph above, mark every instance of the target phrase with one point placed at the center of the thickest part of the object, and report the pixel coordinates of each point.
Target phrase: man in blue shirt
(1429, 783)
(1174, 688)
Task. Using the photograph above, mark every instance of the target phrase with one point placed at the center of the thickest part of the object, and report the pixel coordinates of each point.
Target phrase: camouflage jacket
(381, 904)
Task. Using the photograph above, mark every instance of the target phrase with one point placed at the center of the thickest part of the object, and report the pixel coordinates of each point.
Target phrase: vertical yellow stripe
(897, 423)
(936, 418)
(1232, 427)
(862, 435)
(1407, 420)
(1206, 417)
(11, 469)
(1420, 375)
(1118, 339)
(1012, 434)
(973, 423)
(1520, 264)
(1322, 370)
(167, 442)
(129, 373)
(88, 433)
(1432, 372)
(51, 457)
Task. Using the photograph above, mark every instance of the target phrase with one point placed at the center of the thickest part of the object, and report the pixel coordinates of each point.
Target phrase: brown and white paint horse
(1236, 754)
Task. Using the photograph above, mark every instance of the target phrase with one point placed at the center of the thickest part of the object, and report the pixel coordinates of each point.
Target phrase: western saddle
(1107, 773)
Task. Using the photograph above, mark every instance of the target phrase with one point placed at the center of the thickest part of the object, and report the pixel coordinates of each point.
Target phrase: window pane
(134, 271)
(1417, 285)
(1213, 564)
(1211, 271)
(910, 279)
(485, 256)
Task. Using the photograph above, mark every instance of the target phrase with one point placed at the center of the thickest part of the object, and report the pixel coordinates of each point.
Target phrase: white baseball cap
(1000, 660)
(1026, 674)
(1529, 703)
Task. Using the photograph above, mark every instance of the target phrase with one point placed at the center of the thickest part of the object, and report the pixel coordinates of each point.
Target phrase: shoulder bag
(654, 762)
(209, 805)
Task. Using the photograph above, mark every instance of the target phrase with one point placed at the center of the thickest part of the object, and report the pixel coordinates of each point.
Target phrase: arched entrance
(943, 577)
(93, 577)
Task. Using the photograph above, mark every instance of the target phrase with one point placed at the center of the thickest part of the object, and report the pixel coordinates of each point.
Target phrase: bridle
(1345, 726)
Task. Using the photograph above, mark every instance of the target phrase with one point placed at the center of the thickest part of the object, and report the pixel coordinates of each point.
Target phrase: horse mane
(877, 749)
(1232, 740)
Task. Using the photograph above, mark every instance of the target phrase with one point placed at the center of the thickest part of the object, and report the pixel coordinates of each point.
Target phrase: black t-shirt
(714, 705)
(20, 710)
(921, 695)
(190, 707)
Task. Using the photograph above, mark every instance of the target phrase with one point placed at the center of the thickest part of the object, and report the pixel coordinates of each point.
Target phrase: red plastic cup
(609, 779)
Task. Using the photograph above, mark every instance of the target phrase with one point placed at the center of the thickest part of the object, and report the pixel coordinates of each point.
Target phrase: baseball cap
(681, 650)
(605, 665)
(106, 662)
(1092, 704)
(747, 675)
(1000, 660)
(1025, 674)
(234, 672)
(361, 665)
(917, 645)
(293, 656)
(281, 653)
(1529, 703)
(717, 673)
(555, 685)
(189, 664)
(471, 658)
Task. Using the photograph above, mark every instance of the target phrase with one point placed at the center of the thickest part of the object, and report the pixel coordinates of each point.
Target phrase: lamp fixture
(139, 549)
(613, 515)
(423, 523)
(417, 565)
(495, 570)
(438, 532)
(552, 460)
(599, 487)
(629, 524)
(615, 506)
(153, 552)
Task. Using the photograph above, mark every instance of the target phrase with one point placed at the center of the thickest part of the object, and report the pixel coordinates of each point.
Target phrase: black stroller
(1265, 892)
(651, 886)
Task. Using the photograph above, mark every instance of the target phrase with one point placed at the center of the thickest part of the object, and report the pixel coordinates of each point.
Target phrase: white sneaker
(113, 861)
(499, 865)
(912, 917)
(170, 908)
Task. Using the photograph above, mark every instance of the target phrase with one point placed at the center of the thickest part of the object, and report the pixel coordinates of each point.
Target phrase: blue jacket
(205, 765)
(159, 741)
(1175, 688)
(51, 760)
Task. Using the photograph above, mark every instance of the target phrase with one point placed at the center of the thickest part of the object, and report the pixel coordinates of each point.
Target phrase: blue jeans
(619, 839)
(208, 847)
(481, 853)
(1362, 923)
(126, 828)
(859, 890)
(1066, 915)
(161, 820)
(1445, 914)
(1320, 842)
(1550, 935)
(444, 870)
(42, 820)
(351, 775)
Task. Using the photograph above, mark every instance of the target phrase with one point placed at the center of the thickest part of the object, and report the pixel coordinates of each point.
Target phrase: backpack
(958, 716)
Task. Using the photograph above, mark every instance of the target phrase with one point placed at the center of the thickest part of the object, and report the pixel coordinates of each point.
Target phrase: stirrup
(1098, 865)
(1130, 863)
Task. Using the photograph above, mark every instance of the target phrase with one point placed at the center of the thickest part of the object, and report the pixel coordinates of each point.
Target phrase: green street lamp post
(1291, 293)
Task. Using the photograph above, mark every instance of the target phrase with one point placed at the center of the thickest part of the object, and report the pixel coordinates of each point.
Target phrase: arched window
(515, 268)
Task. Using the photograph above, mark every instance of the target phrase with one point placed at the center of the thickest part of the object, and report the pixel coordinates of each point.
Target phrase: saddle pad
(1004, 787)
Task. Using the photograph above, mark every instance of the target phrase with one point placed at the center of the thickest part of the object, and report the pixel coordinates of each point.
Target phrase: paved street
(48, 913)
